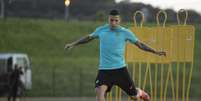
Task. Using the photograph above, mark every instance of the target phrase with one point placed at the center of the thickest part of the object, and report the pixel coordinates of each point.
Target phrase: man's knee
(101, 90)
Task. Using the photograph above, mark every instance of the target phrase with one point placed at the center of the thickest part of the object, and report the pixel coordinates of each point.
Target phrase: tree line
(93, 10)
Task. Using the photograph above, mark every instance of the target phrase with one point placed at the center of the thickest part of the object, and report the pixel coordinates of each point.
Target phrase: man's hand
(82, 40)
(160, 53)
(68, 46)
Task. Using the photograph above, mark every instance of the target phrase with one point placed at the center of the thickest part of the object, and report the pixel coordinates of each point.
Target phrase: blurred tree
(2, 14)
(4, 6)
(171, 16)
(89, 8)
(37, 8)
(193, 17)
(83, 10)
(128, 1)
(101, 16)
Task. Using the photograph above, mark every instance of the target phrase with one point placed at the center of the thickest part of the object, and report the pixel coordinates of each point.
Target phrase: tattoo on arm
(83, 40)
(144, 47)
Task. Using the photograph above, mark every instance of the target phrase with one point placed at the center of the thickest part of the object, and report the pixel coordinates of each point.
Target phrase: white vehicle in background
(9, 60)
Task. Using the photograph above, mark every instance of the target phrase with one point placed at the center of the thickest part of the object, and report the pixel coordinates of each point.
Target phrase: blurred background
(96, 10)
(41, 28)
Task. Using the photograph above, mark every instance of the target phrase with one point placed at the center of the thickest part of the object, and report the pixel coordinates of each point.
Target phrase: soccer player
(112, 67)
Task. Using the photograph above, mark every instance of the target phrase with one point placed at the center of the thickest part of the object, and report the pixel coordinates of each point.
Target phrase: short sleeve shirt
(112, 46)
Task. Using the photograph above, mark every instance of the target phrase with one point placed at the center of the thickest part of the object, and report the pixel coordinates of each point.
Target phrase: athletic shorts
(119, 77)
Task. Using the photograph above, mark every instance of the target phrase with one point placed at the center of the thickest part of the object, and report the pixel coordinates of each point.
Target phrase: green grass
(43, 41)
(60, 73)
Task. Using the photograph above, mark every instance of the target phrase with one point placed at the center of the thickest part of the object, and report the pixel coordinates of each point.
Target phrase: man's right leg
(100, 92)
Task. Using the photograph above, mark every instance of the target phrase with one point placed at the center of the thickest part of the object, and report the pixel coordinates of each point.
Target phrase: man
(15, 83)
(112, 68)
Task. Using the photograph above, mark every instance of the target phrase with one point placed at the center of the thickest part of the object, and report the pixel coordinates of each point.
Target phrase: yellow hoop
(157, 17)
(186, 16)
(134, 18)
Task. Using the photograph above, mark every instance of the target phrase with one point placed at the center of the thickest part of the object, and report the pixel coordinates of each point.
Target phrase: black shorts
(119, 77)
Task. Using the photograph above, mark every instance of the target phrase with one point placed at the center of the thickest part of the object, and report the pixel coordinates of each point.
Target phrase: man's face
(114, 21)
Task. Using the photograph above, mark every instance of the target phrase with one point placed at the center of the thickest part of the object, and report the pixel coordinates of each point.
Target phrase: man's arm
(149, 49)
(82, 40)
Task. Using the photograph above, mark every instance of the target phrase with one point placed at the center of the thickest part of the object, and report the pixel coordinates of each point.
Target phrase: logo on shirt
(97, 81)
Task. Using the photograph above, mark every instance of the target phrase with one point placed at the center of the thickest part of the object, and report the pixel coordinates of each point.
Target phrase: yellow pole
(155, 83)
(161, 89)
(139, 83)
(177, 82)
(133, 74)
(107, 96)
(133, 71)
(145, 78)
(111, 96)
(140, 67)
(172, 82)
(150, 78)
(116, 93)
(119, 94)
(184, 81)
(166, 84)
(189, 82)
(129, 99)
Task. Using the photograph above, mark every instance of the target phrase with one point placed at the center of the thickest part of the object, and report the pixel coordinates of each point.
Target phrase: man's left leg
(141, 95)
(125, 82)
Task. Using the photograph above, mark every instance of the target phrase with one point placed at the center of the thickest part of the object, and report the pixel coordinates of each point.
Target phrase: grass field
(60, 73)
(74, 99)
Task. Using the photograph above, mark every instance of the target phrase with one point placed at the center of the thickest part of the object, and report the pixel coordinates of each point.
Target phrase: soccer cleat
(143, 95)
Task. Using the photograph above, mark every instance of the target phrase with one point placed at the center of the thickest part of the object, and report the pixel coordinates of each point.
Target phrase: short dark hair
(114, 12)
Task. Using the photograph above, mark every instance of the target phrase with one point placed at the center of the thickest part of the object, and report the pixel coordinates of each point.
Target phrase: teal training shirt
(112, 46)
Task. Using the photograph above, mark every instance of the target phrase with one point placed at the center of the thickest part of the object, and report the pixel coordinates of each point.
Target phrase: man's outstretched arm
(149, 49)
(82, 40)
